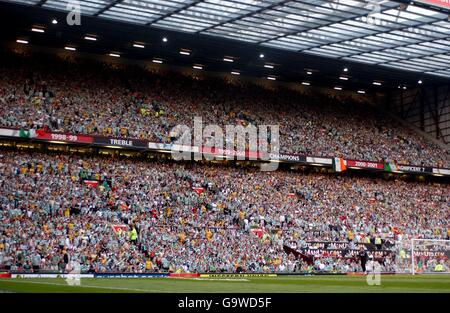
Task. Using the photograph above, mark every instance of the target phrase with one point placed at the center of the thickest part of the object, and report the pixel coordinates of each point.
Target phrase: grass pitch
(291, 284)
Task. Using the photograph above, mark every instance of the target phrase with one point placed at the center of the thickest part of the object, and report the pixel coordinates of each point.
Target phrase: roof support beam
(293, 33)
(231, 20)
(422, 109)
(107, 7)
(184, 7)
(436, 113)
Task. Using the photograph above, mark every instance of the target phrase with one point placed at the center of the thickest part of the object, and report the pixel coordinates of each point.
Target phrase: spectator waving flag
(390, 167)
(24, 133)
(91, 183)
(198, 190)
(118, 228)
(339, 165)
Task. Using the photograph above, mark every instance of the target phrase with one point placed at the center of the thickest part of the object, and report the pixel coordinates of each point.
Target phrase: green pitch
(395, 283)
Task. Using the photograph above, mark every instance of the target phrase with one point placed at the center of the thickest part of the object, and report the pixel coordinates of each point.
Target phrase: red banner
(198, 190)
(365, 164)
(439, 3)
(91, 183)
(116, 227)
(64, 137)
(257, 231)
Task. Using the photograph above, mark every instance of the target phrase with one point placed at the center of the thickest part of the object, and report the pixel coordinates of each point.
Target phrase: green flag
(24, 134)
(390, 167)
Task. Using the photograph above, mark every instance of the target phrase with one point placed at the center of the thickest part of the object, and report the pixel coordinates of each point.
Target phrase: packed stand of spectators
(125, 215)
(81, 96)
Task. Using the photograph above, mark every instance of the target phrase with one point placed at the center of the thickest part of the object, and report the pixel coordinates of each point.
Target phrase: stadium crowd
(132, 215)
(94, 98)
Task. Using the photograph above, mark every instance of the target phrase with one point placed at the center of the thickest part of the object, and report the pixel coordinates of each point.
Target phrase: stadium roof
(386, 33)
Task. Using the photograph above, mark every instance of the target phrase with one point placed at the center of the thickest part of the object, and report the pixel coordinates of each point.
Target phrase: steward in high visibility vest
(133, 235)
(439, 268)
(378, 242)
